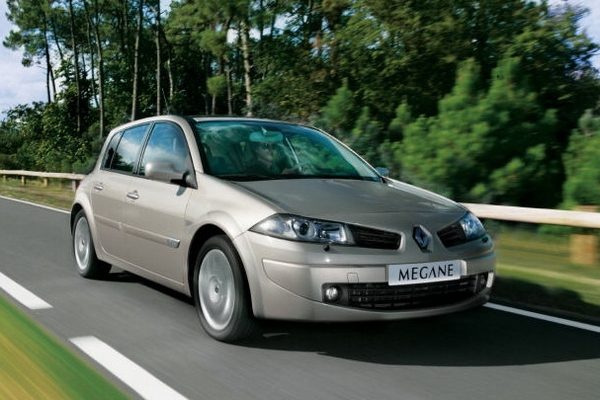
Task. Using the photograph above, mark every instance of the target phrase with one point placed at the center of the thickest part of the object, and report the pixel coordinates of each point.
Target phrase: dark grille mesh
(381, 296)
(375, 238)
(452, 235)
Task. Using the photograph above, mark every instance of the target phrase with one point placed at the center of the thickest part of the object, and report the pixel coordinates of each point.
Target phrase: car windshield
(259, 150)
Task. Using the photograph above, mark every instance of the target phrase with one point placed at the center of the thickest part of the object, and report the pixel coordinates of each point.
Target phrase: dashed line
(561, 321)
(134, 376)
(22, 295)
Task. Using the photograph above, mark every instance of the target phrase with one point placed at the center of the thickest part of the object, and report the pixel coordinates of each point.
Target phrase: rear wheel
(220, 293)
(88, 264)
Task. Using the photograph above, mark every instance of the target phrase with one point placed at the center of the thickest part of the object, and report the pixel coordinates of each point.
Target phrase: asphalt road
(484, 353)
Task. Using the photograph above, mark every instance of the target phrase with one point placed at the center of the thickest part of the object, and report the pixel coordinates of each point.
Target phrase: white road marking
(22, 295)
(35, 204)
(134, 376)
(561, 321)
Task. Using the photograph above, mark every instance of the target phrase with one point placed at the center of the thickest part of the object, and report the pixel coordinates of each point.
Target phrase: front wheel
(88, 264)
(220, 293)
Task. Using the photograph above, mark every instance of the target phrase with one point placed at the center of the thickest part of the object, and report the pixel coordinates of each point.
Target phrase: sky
(20, 85)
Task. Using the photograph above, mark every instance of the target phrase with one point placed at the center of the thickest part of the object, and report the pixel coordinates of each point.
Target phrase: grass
(57, 194)
(33, 365)
(535, 271)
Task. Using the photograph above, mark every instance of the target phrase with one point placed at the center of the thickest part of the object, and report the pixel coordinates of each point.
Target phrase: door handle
(99, 186)
(133, 195)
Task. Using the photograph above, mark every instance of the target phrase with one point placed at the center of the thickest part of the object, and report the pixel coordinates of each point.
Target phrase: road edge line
(60, 210)
(547, 318)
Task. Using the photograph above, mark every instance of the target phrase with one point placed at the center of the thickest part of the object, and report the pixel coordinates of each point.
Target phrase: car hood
(368, 203)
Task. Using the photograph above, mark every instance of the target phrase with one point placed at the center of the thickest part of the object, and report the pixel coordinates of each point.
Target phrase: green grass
(535, 271)
(34, 365)
(57, 194)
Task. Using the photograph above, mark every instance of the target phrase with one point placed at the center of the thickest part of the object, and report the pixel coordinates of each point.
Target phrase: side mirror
(384, 172)
(164, 172)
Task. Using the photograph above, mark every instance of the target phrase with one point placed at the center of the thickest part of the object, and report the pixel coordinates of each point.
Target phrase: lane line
(35, 204)
(561, 321)
(134, 376)
(22, 295)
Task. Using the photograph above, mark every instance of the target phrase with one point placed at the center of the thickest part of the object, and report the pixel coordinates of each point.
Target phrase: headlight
(472, 227)
(293, 227)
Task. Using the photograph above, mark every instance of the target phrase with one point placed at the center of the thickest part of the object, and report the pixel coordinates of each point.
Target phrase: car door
(155, 211)
(109, 188)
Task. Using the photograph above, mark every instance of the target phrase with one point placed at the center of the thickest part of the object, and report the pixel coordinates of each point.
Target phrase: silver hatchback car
(262, 219)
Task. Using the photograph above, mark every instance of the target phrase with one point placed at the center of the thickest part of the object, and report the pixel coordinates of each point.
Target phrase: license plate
(410, 274)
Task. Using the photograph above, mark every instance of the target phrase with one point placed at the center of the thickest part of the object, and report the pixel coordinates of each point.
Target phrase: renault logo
(422, 237)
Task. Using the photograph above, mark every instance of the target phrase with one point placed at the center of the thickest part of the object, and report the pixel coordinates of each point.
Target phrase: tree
(365, 136)
(582, 162)
(337, 116)
(474, 147)
(34, 35)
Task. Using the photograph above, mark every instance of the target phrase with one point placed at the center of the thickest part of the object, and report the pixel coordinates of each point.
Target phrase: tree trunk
(76, 67)
(93, 20)
(158, 61)
(136, 56)
(244, 33)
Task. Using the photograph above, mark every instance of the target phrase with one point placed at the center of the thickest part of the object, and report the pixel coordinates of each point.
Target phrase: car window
(252, 150)
(127, 151)
(111, 150)
(166, 145)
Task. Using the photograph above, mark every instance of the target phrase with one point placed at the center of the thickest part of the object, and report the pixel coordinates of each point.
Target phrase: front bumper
(293, 287)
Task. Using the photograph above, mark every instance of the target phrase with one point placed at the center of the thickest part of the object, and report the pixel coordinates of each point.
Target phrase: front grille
(452, 235)
(381, 296)
(375, 238)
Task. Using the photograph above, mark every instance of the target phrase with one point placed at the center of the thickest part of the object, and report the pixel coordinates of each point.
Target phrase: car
(262, 219)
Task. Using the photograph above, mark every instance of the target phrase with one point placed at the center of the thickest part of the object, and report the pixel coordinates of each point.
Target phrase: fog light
(481, 283)
(332, 293)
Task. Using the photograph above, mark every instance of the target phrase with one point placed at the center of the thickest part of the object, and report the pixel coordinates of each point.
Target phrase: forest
(489, 101)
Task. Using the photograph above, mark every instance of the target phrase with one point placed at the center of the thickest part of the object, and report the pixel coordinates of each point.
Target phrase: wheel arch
(74, 211)
(202, 235)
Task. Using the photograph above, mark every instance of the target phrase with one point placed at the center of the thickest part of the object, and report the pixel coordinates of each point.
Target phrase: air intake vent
(452, 235)
(382, 297)
(375, 238)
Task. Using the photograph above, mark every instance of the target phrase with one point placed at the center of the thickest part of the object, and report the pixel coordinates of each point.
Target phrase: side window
(128, 149)
(111, 150)
(166, 145)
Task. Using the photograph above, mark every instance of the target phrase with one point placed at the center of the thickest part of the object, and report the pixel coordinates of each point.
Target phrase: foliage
(475, 99)
(485, 145)
(582, 162)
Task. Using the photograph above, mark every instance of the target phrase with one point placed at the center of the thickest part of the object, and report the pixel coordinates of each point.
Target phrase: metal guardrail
(581, 219)
(74, 178)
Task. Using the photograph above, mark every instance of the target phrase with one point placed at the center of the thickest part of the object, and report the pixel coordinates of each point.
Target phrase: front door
(155, 210)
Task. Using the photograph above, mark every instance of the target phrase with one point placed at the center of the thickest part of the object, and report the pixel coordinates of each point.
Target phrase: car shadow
(480, 337)
(119, 276)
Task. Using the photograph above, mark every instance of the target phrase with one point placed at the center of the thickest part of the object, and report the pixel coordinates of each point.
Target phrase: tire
(84, 252)
(220, 292)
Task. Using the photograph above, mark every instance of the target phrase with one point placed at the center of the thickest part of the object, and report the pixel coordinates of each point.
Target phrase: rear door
(109, 188)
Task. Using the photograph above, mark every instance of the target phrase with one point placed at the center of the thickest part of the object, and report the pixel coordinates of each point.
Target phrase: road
(484, 353)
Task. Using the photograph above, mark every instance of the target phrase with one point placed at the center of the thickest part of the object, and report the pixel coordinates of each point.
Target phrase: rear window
(124, 149)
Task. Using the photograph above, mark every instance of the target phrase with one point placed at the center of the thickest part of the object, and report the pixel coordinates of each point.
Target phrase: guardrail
(74, 178)
(579, 219)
